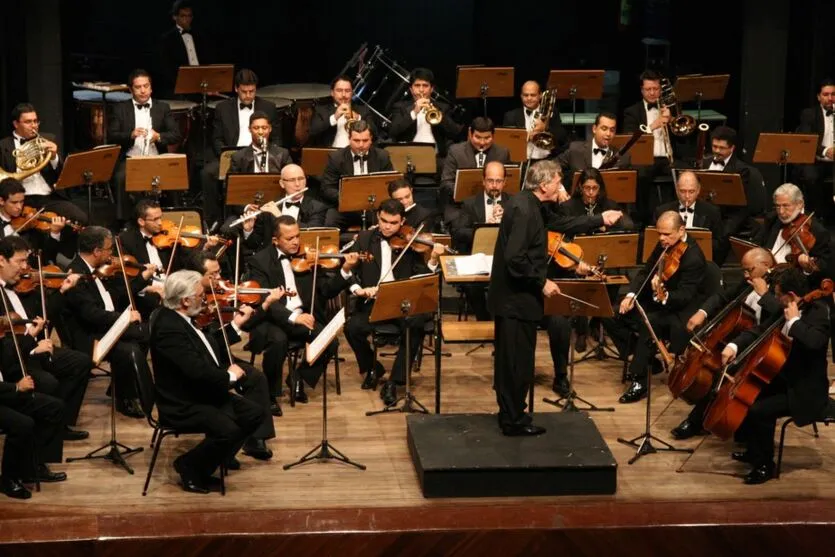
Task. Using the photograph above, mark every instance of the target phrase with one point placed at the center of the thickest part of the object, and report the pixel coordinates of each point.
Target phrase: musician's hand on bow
(626, 304)
(36, 326)
(237, 371)
(307, 320)
(759, 285)
(806, 263)
(243, 315)
(149, 271)
(791, 310)
(57, 224)
(275, 295)
(69, 282)
(611, 217)
(26, 384)
(583, 269)
(43, 347)
(368, 292)
(695, 321)
(135, 317)
(350, 261)
(728, 355)
(550, 288)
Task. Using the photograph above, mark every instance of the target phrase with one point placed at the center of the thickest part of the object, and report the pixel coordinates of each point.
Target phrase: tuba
(545, 140)
(30, 159)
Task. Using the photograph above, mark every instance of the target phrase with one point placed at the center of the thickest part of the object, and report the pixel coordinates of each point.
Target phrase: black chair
(827, 417)
(147, 398)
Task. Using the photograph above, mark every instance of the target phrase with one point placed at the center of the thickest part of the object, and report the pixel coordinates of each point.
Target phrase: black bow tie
(293, 204)
(5, 223)
(491, 200)
(282, 257)
(654, 105)
(184, 32)
(686, 210)
(830, 112)
(141, 106)
(597, 151)
(719, 162)
(246, 105)
(362, 158)
(148, 239)
(23, 140)
(528, 112)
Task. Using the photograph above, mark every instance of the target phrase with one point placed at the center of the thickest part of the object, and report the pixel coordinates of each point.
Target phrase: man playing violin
(800, 389)
(292, 319)
(363, 278)
(668, 302)
(12, 199)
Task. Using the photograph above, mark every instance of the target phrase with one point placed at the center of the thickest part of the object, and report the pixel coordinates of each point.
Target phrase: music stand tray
(576, 84)
(740, 247)
(701, 87)
(413, 158)
(480, 82)
(88, 167)
(200, 79)
(402, 299)
(722, 188)
(516, 141)
(642, 152)
(786, 148)
(470, 181)
(315, 159)
(703, 237)
(365, 192)
(611, 250)
(620, 184)
(243, 189)
(156, 173)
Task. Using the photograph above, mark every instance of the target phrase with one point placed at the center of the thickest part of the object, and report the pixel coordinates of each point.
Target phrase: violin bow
(174, 247)
(43, 297)
(651, 272)
(402, 253)
(237, 271)
(20, 361)
(30, 219)
(124, 273)
(220, 321)
(315, 265)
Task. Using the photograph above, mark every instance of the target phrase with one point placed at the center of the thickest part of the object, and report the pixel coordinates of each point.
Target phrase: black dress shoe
(686, 430)
(188, 480)
(212, 483)
(75, 434)
(14, 489)
(300, 395)
(742, 456)
(580, 343)
(389, 393)
(522, 430)
(45, 475)
(561, 386)
(233, 464)
(130, 407)
(275, 409)
(635, 392)
(257, 448)
(759, 474)
(372, 377)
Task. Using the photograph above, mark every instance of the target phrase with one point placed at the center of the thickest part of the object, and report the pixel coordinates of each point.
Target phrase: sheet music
(103, 346)
(324, 338)
(475, 264)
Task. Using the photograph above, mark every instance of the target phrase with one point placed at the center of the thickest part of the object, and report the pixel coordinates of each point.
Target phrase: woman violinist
(800, 388)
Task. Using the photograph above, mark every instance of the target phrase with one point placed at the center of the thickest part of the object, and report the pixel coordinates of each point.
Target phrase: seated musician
(254, 158)
(328, 127)
(231, 128)
(40, 186)
(591, 153)
(363, 279)
(141, 126)
(800, 389)
(358, 158)
(819, 120)
(180, 46)
(93, 306)
(695, 212)
(416, 214)
(523, 117)
(32, 423)
(292, 319)
(475, 152)
(757, 263)
(668, 304)
(724, 159)
(193, 377)
(58, 240)
(57, 370)
(409, 122)
(589, 199)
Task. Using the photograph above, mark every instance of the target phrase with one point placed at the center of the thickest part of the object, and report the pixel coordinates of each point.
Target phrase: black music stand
(579, 298)
(701, 88)
(786, 148)
(203, 79)
(476, 82)
(156, 173)
(87, 169)
(576, 84)
(402, 299)
(365, 192)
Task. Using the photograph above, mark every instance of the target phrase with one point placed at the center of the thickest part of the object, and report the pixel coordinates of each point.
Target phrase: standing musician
(363, 278)
(40, 187)
(820, 120)
(358, 158)
(695, 212)
(409, 121)
(329, 125)
(91, 309)
(800, 389)
(193, 377)
(12, 199)
(757, 264)
(293, 319)
(57, 371)
(518, 286)
(141, 126)
(231, 128)
(581, 155)
(180, 46)
(476, 152)
(668, 302)
(523, 117)
(589, 199)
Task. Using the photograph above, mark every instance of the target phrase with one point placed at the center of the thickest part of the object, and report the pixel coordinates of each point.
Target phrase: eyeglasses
(296, 180)
(494, 181)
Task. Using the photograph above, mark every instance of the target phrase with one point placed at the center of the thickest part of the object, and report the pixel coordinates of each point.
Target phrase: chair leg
(336, 375)
(154, 437)
(815, 429)
(780, 447)
(157, 432)
(291, 370)
(223, 472)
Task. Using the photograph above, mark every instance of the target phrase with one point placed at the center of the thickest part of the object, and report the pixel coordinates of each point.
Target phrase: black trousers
(559, 342)
(476, 296)
(32, 422)
(64, 375)
(513, 368)
(253, 387)
(760, 424)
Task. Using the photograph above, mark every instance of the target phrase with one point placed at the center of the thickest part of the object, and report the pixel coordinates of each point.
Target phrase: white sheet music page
(324, 338)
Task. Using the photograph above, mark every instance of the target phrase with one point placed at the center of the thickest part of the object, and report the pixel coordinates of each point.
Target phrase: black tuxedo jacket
(462, 155)
(403, 128)
(172, 54)
(122, 123)
(769, 304)
(634, 116)
(133, 243)
(243, 160)
(516, 119)
(226, 128)
(811, 121)
(752, 181)
(683, 287)
(578, 158)
(472, 213)
(322, 133)
(367, 273)
(821, 251)
(311, 214)
(8, 163)
(341, 163)
(706, 215)
(575, 207)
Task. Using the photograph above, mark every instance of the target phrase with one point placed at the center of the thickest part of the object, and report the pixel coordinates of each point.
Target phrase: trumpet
(349, 118)
(433, 114)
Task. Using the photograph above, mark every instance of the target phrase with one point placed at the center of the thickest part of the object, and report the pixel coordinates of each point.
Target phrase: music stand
(516, 141)
(482, 82)
(786, 148)
(202, 79)
(703, 237)
(740, 247)
(365, 193)
(243, 189)
(620, 184)
(156, 173)
(576, 84)
(315, 159)
(413, 158)
(641, 153)
(88, 168)
(701, 88)
(324, 235)
(402, 299)
(580, 298)
(470, 182)
(722, 188)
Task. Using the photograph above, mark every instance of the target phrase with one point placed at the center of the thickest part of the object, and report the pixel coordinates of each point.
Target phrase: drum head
(179, 106)
(83, 95)
(296, 91)
(279, 102)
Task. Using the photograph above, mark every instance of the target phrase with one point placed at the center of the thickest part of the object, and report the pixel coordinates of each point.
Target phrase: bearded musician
(329, 125)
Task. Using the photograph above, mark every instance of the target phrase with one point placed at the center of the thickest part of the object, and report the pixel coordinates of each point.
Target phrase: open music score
(326, 336)
(450, 272)
(470, 181)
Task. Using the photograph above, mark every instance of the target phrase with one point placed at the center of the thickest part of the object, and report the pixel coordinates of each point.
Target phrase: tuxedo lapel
(479, 207)
(234, 124)
(6, 149)
(587, 158)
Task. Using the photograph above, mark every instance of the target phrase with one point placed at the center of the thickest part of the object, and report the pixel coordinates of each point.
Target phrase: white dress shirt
(291, 211)
(360, 167)
(34, 184)
(753, 302)
(153, 252)
(658, 147)
(105, 295)
(424, 128)
(340, 140)
(534, 152)
(597, 158)
(142, 119)
(244, 135)
(687, 216)
(480, 159)
(780, 249)
(206, 343)
(489, 207)
(191, 52)
(828, 137)
(294, 303)
(8, 229)
(718, 167)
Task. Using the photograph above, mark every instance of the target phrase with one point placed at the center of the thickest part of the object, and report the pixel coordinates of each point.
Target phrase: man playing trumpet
(329, 126)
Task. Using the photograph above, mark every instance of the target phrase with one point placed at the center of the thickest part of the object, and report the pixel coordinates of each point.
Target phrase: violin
(329, 258)
(132, 268)
(249, 291)
(212, 305)
(798, 235)
(18, 324)
(189, 236)
(53, 278)
(668, 264)
(422, 242)
(31, 218)
(567, 255)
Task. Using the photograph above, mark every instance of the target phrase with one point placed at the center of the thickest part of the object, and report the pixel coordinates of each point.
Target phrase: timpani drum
(183, 113)
(90, 118)
(303, 97)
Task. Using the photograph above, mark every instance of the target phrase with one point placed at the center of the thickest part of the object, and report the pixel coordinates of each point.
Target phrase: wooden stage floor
(101, 501)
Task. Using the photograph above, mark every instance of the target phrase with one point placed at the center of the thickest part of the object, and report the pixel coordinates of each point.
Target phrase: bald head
(670, 228)
(687, 188)
(293, 179)
(669, 219)
(757, 262)
(531, 94)
(494, 178)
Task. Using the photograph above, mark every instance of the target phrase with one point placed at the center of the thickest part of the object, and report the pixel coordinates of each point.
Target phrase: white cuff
(630, 294)
(787, 328)
(432, 266)
(413, 115)
(332, 119)
(346, 275)
(235, 327)
(733, 347)
(294, 316)
(703, 311)
(353, 288)
(232, 377)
